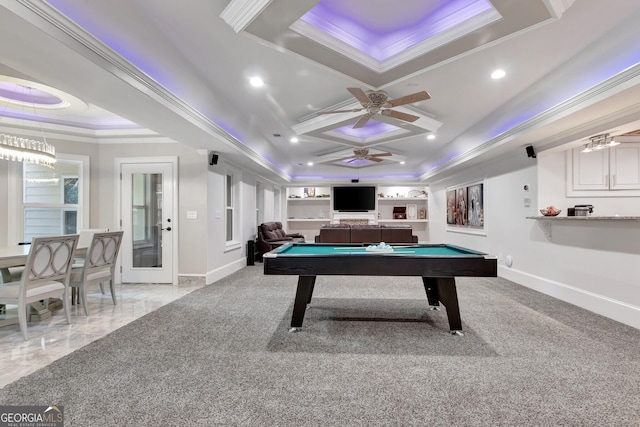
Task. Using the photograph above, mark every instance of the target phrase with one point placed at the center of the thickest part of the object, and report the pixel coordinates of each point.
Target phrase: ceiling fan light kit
(363, 154)
(377, 102)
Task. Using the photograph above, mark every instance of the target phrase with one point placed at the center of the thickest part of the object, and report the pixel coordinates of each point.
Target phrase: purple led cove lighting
(386, 32)
(372, 128)
(107, 32)
(27, 95)
(607, 70)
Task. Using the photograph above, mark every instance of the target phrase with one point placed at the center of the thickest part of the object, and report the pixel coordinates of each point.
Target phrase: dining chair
(98, 266)
(46, 275)
(86, 235)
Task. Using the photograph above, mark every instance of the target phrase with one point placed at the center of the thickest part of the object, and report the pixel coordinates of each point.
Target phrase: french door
(147, 215)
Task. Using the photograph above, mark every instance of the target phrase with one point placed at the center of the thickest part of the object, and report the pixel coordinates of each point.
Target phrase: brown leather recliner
(271, 235)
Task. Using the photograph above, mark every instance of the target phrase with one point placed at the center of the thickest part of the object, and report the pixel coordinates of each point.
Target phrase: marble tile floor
(53, 338)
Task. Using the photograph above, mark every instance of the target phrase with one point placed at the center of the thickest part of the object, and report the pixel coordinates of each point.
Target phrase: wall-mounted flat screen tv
(354, 199)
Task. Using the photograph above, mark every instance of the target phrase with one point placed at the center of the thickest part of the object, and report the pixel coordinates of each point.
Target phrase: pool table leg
(303, 297)
(431, 287)
(443, 289)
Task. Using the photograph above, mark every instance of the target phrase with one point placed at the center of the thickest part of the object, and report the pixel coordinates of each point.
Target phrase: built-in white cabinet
(612, 169)
(624, 167)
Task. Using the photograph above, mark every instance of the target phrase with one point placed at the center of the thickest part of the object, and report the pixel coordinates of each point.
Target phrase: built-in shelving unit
(413, 199)
(309, 204)
(307, 208)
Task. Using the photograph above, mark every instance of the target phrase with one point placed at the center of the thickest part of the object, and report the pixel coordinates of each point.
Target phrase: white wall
(590, 264)
(192, 168)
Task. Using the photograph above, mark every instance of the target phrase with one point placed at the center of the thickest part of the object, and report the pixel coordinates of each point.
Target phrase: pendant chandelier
(20, 149)
(15, 93)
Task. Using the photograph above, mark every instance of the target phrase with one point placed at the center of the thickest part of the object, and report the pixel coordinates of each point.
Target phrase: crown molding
(66, 31)
(470, 20)
(621, 81)
(558, 7)
(240, 13)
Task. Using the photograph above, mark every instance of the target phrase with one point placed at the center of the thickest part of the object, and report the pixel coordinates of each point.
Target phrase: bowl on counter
(550, 212)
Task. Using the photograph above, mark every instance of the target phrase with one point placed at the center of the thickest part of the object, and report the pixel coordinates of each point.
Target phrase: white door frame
(119, 161)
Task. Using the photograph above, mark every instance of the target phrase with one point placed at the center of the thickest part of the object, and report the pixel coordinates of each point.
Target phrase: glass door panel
(146, 219)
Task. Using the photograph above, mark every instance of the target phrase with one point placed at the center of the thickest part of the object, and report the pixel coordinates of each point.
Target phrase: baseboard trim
(608, 307)
(222, 272)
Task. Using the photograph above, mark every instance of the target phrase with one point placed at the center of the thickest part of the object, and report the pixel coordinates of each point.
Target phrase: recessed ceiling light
(294, 139)
(498, 74)
(309, 163)
(256, 82)
(402, 162)
(431, 137)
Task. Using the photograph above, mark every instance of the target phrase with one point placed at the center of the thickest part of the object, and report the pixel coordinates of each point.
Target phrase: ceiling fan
(378, 102)
(363, 154)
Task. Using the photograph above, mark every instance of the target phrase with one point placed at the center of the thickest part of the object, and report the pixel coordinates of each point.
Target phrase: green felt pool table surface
(351, 249)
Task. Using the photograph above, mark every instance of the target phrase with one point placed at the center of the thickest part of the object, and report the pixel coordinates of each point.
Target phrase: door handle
(168, 229)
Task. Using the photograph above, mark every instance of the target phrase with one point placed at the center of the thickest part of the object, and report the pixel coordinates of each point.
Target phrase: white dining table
(16, 256)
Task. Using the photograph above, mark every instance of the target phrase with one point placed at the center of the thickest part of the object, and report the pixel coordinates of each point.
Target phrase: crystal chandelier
(21, 149)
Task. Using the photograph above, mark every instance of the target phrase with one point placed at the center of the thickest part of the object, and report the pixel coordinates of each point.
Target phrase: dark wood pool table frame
(438, 274)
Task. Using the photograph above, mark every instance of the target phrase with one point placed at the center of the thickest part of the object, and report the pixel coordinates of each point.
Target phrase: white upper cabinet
(608, 171)
(590, 170)
(624, 167)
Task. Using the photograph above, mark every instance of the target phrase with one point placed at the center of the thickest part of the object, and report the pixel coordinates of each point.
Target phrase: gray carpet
(370, 353)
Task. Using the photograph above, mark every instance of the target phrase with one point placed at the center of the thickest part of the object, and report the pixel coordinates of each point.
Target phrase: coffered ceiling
(181, 71)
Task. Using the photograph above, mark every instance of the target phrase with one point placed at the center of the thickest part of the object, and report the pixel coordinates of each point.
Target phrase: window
(229, 207)
(259, 203)
(232, 207)
(51, 199)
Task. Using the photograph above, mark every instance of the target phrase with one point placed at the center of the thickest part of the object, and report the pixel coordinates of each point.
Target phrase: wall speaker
(213, 159)
(530, 151)
(355, 181)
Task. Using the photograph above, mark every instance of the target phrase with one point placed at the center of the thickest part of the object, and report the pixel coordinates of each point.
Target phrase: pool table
(437, 264)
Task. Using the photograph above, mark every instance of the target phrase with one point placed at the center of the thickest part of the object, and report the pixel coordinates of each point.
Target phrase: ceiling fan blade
(373, 159)
(351, 160)
(409, 99)
(359, 95)
(363, 121)
(355, 110)
(398, 115)
(380, 155)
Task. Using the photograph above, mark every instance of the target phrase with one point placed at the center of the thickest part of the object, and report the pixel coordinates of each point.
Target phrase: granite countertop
(586, 218)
